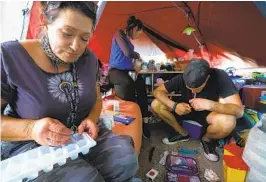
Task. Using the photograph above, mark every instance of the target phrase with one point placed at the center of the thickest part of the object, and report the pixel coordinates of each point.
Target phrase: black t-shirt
(218, 86)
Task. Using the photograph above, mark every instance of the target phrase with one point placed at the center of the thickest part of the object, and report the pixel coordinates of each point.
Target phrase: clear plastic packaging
(263, 123)
(108, 120)
(28, 164)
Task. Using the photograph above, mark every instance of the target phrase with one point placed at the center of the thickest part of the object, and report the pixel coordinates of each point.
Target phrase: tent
(224, 27)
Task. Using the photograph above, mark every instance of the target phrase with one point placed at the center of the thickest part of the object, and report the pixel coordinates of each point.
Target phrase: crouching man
(201, 87)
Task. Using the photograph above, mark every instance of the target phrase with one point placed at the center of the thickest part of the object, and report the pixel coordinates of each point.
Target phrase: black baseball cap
(196, 73)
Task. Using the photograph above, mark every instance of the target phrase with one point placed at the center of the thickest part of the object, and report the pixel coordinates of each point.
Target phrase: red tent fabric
(35, 23)
(225, 26)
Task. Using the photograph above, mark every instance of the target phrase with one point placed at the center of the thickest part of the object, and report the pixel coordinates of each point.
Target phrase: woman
(122, 61)
(50, 88)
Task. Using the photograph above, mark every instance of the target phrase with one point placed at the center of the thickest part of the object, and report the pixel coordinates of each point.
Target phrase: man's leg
(220, 126)
(166, 115)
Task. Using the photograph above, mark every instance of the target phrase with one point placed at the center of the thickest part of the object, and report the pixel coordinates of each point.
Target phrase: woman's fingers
(57, 137)
(93, 132)
(81, 128)
(52, 142)
(57, 127)
(57, 133)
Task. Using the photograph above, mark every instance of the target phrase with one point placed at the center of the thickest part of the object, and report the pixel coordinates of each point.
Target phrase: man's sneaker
(146, 131)
(175, 138)
(209, 151)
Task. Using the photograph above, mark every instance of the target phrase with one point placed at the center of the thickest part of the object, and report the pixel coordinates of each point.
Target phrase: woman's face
(69, 34)
(136, 33)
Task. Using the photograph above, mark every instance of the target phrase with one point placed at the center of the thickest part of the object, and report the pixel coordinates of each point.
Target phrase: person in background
(122, 65)
(201, 88)
(51, 90)
(104, 84)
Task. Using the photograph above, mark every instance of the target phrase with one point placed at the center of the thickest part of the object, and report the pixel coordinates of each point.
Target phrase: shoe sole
(172, 143)
(208, 157)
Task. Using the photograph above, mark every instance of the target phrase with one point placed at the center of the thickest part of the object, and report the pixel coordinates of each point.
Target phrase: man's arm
(172, 85)
(160, 94)
(232, 106)
(97, 108)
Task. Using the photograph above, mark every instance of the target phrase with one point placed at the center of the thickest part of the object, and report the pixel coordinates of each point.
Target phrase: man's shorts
(198, 116)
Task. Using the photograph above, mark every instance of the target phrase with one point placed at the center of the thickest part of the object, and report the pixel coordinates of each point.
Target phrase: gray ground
(158, 132)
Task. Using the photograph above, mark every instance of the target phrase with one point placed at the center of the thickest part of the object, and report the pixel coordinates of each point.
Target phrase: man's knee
(159, 107)
(225, 123)
(155, 105)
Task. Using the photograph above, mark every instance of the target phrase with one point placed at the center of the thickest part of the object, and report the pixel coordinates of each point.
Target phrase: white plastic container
(255, 150)
(30, 163)
(255, 176)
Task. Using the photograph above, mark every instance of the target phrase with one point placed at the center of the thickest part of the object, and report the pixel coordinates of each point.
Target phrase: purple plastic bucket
(193, 128)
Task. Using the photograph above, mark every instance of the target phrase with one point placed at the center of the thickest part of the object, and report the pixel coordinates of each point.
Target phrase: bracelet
(174, 107)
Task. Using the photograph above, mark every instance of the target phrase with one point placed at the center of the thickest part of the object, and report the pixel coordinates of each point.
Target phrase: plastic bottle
(116, 106)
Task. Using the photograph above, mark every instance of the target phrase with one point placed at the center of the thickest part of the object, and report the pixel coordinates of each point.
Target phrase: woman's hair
(51, 9)
(132, 22)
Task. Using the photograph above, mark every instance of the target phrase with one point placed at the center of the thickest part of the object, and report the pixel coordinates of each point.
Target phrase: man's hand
(182, 109)
(200, 104)
(89, 126)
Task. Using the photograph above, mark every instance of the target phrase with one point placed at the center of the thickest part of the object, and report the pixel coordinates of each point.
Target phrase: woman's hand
(89, 126)
(49, 131)
(140, 60)
(137, 65)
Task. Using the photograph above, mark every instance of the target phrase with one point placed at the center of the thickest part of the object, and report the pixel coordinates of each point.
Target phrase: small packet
(123, 119)
(163, 158)
(210, 175)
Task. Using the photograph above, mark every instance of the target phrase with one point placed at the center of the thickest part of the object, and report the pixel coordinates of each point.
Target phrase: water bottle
(116, 106)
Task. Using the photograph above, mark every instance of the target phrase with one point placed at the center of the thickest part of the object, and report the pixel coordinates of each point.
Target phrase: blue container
(193, 128)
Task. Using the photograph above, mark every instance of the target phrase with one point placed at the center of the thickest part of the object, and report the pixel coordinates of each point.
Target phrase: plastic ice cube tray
(30, 163)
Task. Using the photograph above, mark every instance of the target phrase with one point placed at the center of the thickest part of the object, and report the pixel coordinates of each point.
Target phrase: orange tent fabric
(134, 129)
(233, 26)
(225, 26)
